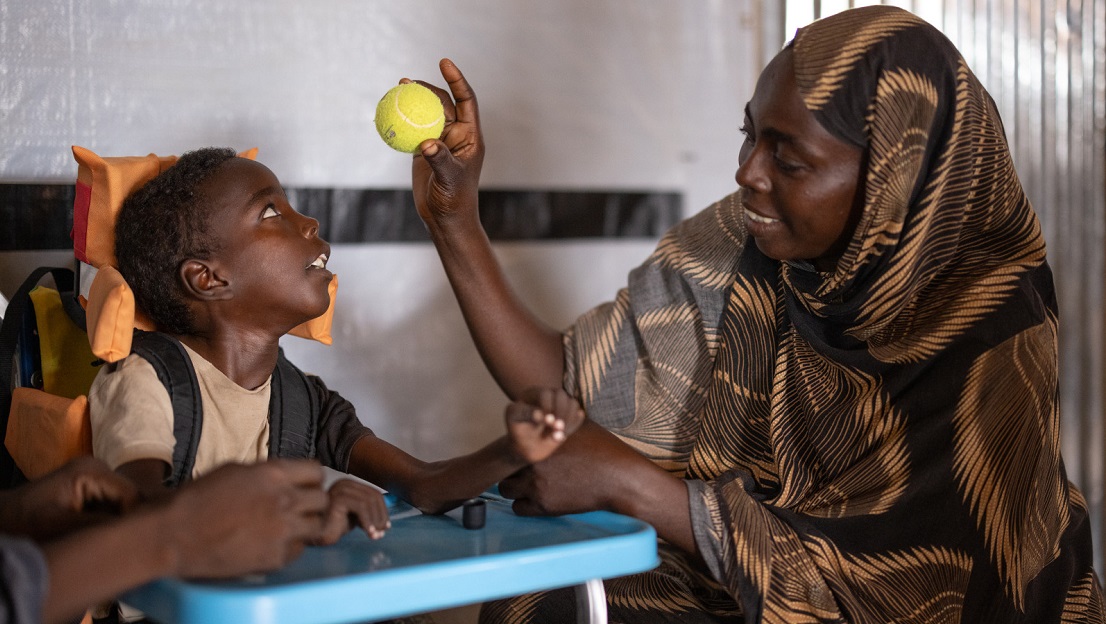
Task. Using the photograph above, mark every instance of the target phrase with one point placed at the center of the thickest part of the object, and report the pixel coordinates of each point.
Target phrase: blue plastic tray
(423, 564)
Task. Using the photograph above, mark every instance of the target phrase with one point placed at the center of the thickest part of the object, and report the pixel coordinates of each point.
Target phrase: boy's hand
(242, 519)
(445, 173)
(538, 425)
(354, 504)
(81, 492)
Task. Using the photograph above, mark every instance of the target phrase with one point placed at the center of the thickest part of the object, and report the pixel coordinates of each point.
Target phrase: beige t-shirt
(132, 417)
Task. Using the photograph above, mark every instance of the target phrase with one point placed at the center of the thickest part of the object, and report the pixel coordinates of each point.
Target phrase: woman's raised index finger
(463, 95)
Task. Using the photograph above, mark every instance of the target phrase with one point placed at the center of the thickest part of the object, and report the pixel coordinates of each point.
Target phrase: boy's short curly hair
(160, 226)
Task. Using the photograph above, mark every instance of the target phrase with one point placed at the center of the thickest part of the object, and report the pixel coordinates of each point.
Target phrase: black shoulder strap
(293, 404)
(293, 412)
(175, 371)
(19, 306)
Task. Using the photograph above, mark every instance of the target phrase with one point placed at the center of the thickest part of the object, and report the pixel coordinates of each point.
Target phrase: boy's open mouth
(318, 263)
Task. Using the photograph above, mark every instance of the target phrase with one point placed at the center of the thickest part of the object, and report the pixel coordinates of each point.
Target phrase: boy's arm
(535, 429)
(518, 349)
(433, 487)
(148, 476)
(132, 423)
(237, 520)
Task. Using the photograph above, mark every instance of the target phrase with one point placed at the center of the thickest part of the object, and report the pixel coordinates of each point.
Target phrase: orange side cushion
(318, 328)
(111, 315)
(45, 431)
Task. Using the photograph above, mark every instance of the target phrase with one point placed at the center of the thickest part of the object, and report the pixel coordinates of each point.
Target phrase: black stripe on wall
(40, 216)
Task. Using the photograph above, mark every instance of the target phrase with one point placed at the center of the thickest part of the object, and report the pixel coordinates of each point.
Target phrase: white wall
(574, 94)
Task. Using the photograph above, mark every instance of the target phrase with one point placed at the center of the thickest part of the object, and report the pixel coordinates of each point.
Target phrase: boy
(223, 264)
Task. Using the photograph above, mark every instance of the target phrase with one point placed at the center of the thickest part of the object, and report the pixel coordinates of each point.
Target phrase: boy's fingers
(371, 522)
(547, 398)
(361, 505)
(521, 413)
(565, 403)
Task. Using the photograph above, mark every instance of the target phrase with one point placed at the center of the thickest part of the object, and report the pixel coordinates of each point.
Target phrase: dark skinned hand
(446, 172)
(539, 424)
(82, 492)
(592, 470)
(595, 470)
(241, 519)
(354, 504)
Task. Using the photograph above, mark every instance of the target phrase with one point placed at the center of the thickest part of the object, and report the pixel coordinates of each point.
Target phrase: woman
(834, 393)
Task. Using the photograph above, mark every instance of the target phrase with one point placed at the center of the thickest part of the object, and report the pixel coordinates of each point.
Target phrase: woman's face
(799, 182)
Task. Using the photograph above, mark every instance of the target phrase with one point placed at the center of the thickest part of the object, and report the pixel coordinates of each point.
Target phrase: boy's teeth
(320, 262)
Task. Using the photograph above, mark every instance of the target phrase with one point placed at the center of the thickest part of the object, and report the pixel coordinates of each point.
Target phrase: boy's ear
(202, 281)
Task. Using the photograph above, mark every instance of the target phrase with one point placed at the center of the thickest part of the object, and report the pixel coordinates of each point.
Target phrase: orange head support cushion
(102, 185)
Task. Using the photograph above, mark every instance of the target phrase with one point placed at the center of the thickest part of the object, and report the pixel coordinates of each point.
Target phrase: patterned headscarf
(945, 217)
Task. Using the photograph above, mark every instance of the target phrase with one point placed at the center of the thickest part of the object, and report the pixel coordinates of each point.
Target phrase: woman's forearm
(519, 350)
(654, 496)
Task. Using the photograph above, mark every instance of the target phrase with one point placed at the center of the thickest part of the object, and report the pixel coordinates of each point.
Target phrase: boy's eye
(269, 212)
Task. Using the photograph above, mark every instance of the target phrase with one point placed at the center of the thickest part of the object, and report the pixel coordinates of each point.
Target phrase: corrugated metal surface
(1044, 63)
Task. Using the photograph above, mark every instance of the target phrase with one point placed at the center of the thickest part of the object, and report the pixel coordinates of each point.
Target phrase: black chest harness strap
(294, 404)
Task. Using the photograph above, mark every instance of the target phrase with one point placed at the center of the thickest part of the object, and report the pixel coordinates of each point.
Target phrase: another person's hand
(243, 519)
(538, 425)
(354, 504)
(592, 470)
(82, 492)
(445, 173)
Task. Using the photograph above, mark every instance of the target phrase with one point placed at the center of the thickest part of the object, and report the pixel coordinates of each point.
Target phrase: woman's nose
(749, 173)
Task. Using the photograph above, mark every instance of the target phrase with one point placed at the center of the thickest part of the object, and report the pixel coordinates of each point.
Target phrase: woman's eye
(748, 134)
(269, 212)
(785, 166)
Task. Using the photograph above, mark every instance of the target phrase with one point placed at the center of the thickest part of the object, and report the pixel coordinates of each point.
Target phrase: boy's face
(271, 256)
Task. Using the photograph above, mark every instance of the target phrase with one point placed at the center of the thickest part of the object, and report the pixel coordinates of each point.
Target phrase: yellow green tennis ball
(409, 114)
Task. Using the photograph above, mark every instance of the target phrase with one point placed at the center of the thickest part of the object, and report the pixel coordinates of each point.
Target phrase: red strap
(81, 202)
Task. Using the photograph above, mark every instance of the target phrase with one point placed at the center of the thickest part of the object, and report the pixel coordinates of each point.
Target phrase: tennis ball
(409, 114)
